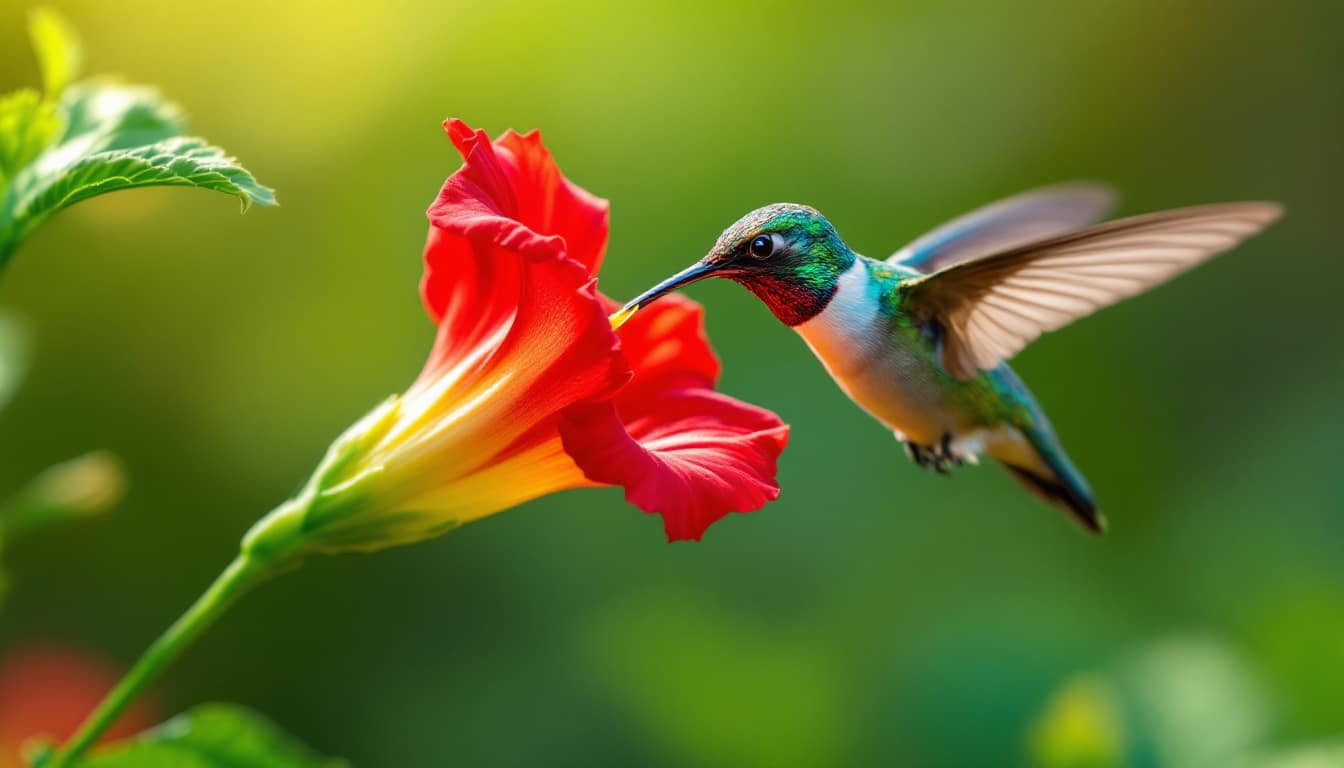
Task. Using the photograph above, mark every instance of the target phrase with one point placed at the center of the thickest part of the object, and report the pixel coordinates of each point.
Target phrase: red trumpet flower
(528, 390)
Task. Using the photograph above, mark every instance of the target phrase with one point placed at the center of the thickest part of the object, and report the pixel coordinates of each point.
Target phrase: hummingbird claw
(920, 455)
(947, 454)
(940, 457)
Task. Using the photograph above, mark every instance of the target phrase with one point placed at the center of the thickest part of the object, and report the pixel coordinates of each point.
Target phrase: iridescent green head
(788, 255)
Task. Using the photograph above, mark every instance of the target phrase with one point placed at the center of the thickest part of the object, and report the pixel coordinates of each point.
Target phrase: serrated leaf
(113, 137)
(28, 125)
(178, 162)
(98, 117)
(187, 162)
(59, 53)
(211, 736)
(103, 115)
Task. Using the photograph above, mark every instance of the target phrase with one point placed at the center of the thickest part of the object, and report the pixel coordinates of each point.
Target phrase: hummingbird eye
(761, 247)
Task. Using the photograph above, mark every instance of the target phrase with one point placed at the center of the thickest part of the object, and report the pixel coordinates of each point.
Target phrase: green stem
(242, 574)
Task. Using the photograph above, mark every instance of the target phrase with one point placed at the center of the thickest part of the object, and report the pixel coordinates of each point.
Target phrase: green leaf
(177, 162)
(211, 736)
(102, 136)
(103, 115)
(59, 53)
(99, 116)
(28, 125)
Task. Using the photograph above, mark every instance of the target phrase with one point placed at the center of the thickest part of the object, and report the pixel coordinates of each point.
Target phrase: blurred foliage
(60, 55)
(79, 488)
(1080, 728)
(13, 356)
(210, 736)
(82, 487)
(46, 690)
(1188, 702)
(876, 614)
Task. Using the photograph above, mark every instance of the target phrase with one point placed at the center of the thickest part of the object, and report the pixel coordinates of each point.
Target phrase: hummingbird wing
(1006, 224)
(990, 308)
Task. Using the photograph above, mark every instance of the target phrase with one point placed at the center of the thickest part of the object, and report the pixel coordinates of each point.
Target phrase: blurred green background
(876, 614)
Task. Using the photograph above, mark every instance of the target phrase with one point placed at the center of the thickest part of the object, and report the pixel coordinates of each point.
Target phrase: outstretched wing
(992, 307)
(1007, 224)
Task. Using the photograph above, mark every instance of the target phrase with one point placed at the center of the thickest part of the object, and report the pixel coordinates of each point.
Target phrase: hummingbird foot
(940, 457)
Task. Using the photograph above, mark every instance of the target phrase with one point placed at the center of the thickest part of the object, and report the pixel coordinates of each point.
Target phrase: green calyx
(313, 520)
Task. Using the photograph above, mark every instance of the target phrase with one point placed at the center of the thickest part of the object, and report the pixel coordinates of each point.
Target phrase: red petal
(551, 204)
(692, 456)
(513, 190)
(667, 348)
(522, 332)
(679, 448)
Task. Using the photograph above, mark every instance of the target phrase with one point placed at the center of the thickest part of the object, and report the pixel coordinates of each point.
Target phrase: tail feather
(1081, 508)
(1053, 478)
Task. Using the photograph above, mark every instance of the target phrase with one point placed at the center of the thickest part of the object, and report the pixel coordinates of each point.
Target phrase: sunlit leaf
(185, 162)
(103, 115)
(59, 53)
(114, 137)
(211, 736)
(178, 162)
(27, 126)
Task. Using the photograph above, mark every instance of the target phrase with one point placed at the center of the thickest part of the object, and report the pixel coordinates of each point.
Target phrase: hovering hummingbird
(920, 340)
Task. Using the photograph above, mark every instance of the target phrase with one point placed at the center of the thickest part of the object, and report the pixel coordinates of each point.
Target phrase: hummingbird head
(788, 255)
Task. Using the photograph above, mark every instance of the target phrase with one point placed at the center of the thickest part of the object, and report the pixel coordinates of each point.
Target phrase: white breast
(845, 334)
(879, 370)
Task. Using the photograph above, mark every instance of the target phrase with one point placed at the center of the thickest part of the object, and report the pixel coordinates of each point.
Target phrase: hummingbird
(920, 340)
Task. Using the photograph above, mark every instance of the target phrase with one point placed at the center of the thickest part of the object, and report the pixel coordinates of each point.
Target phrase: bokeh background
(876, 614)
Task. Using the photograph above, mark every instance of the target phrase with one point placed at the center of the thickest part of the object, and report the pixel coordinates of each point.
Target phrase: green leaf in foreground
(177, 162)
(211, 736)
(59, 53)
(103, 115)
(83, 139)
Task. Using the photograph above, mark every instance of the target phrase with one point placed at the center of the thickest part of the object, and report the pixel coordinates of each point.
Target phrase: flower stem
(242, 574)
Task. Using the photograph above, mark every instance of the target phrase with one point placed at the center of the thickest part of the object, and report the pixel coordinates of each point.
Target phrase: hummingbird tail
(1053, 477)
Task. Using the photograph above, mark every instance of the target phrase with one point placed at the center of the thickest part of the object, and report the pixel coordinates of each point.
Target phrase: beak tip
(619, 317)
(691, 274)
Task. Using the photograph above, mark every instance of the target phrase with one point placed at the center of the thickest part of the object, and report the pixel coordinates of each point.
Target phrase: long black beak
(694, 273)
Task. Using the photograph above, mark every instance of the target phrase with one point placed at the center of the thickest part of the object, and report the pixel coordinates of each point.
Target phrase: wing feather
(1007, 224)
(994, 305)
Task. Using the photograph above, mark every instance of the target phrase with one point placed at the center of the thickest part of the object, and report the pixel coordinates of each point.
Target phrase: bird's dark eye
(761, 247)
